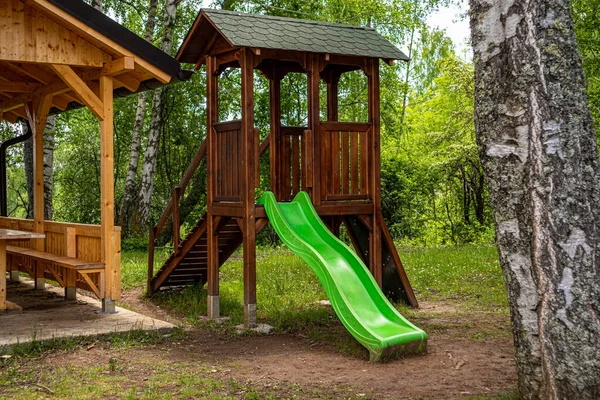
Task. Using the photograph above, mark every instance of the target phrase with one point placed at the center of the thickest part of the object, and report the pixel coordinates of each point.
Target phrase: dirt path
(467, 355)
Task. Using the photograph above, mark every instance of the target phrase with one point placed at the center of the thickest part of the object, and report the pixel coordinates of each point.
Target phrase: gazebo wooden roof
(56, 55)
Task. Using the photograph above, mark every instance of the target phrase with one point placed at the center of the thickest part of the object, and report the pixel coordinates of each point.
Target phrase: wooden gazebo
(337, 163)
(56, 55)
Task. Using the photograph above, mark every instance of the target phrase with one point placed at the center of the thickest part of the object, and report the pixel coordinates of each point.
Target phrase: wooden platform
(46, 315)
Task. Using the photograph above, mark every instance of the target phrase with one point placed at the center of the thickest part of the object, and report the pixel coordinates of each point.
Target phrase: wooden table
(6, 235)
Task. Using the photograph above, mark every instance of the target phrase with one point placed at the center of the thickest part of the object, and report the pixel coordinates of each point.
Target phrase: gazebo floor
(46, 315)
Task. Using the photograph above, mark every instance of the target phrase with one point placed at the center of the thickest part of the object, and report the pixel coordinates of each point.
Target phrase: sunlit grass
(288, 291)
(468, 275)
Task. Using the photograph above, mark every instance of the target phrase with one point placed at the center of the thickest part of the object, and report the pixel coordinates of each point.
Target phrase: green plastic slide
(355, 296)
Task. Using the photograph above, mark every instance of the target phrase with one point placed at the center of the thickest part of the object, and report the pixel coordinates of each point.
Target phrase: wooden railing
(71, 240)
(173, 209)
(294, 160)
(345, 157)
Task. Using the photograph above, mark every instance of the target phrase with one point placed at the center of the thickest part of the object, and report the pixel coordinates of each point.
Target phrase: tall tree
(129, 193)
(156, 123)
(48, 167)
(538, 150)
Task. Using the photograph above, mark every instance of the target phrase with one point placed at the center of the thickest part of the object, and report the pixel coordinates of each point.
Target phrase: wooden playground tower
(337, 163)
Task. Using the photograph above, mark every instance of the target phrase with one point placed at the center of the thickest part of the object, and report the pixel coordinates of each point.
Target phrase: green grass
(288, 291)
(467, 275)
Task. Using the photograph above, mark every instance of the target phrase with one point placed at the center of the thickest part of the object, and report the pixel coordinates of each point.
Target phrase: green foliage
(587, 28)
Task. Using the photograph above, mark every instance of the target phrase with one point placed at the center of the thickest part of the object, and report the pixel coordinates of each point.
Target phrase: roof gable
(268, 32)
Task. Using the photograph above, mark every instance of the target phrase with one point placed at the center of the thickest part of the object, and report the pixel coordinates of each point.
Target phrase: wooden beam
(107, 194)
(61, 102)
(128, 81)
(73, 81)
(34, 71)
(18, 87)
(119, 66)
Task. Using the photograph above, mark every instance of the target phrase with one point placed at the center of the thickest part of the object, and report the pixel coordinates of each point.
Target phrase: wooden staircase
(188, 264)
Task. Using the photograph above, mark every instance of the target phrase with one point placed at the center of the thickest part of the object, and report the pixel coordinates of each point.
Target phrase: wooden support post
(275, 147)
(107, 197)
(2, 275)
(212, 117)
(70, 274)
(314, 116)
(248, 183)
(375, 176)
(332, 95)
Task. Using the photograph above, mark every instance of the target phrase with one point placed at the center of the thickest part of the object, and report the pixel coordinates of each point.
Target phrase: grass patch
(288, 293)
(467, 275)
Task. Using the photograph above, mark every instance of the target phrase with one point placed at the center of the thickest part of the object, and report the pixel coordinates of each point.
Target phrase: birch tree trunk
(130, 192)
(48, 168)
(97, 4)
(538, 149)
(49, 165)
(156, 124)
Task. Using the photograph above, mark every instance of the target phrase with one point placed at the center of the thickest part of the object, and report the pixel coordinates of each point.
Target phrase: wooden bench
(73, 265)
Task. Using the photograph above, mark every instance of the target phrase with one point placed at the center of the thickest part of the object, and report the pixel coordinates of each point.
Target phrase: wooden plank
(295, 164)
(345, 177)
(73, 81)
(35, 38)
(229, 160)
(327, 164)
(83, 30)
(354, 163)
(335, 162)
(346, 126)
(364, 162)
(286, 182)
(235, 163)
(107, 193)
(375, 166)
(234, 125)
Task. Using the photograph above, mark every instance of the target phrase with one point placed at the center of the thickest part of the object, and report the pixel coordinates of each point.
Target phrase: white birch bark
(156, 123)
(129, 192)
(538, 149)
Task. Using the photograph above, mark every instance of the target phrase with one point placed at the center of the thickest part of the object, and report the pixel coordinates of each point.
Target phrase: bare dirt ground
(469, 354)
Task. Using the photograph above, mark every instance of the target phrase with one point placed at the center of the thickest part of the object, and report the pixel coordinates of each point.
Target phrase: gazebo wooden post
(107, 198)
(375, 179)
(250, 140)
(37, 114)
(212, 100)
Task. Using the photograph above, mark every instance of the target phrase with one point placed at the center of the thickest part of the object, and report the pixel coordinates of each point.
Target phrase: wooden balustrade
(345, 156)
(79, 241)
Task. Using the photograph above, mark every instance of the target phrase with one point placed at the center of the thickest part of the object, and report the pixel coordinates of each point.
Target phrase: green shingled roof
(262, 31)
